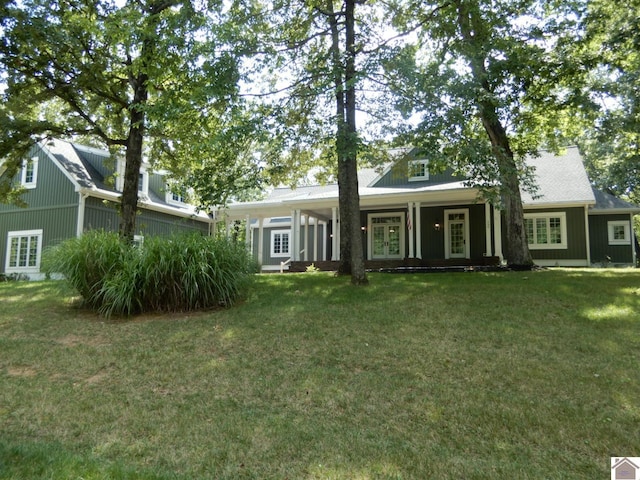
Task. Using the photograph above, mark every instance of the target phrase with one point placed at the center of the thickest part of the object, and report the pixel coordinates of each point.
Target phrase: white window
(418, 170)
(280, 243)
(175, 197)
(546, 230)
(143, 178)
(23, 251)
(619, 232)
(29, 173)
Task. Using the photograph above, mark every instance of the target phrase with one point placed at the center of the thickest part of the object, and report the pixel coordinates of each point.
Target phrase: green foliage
(177, 273)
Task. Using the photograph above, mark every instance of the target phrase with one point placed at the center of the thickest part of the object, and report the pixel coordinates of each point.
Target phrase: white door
(457, 233)
(386, 236)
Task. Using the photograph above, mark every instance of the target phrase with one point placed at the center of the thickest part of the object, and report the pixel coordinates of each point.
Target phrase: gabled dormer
(143, 178)
(411, 170)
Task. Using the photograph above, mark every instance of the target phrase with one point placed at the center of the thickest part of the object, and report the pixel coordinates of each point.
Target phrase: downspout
(586, 228)
(633, 240)
(82, 197)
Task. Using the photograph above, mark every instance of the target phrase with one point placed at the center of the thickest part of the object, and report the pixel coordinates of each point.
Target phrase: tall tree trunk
(474, 34)
(133, 159)
(358, 274)
(344, 268)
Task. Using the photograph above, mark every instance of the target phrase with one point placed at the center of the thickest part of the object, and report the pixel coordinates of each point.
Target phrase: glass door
(387, 239)
(457, 232)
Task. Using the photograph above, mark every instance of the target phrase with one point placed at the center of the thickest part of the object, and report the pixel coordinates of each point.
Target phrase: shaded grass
(484, 375)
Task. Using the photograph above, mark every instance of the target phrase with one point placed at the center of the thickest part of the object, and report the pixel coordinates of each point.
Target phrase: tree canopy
(121, 73)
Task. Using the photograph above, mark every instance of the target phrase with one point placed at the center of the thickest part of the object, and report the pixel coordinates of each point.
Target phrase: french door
(457, 233)
(386, 236)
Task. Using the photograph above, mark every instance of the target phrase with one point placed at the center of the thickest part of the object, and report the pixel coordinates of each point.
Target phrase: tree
(609, 48)
(490, 89)
(312, 45)
(119, 74)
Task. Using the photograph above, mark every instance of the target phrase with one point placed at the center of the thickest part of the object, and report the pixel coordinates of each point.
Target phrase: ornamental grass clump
(177, 273)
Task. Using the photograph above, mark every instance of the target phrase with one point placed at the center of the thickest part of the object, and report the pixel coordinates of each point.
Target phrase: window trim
(120, 169)
(23, 173)
(627, 232)
(272, 249)
(21, 234)
(547, 216)
(419, 178)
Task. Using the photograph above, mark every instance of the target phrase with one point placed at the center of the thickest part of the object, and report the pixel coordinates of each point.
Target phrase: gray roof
(609, 203)
(561, 179)
(82, 165)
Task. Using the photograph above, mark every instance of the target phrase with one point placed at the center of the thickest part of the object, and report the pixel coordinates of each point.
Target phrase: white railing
(283, 264)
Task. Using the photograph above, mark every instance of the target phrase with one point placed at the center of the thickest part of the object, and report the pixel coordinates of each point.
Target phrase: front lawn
(467, 375)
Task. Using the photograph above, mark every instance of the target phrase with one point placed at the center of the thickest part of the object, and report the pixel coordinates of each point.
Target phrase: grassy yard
(478, 375)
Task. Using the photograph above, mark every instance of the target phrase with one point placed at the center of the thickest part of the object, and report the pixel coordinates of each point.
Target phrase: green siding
(397, 176)
(52, 207)
(599, 241)
(99, 214)
(576, 237)
(266, 243)
(52, 186)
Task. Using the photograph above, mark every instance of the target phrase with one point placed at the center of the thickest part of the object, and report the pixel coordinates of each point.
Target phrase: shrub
(177, 273)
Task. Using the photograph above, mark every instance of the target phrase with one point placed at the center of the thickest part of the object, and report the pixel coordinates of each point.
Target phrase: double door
(387, 236)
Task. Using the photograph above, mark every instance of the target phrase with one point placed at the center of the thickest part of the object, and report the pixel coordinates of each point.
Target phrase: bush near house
(178, 273)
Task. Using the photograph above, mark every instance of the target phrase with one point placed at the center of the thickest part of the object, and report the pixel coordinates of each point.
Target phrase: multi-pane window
(418, 170)
(546, 230)
(23, 251)
(280, 243)
(29, 173)
(619, 232)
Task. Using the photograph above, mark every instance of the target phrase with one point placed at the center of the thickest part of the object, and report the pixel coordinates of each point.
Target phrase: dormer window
(175, 195)
(29, 173)
(143, 178)
(418, 170)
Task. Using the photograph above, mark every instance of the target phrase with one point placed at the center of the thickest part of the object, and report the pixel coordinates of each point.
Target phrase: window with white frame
(29, 173)
(418, 170)
(143, 178)
(619, 232)
(546, 230)
(174, 196)
(23, 251)
(280, 243)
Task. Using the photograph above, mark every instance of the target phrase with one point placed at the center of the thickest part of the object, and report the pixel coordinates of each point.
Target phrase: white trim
(411, 164)
(24, 234)
(282, 253)
(261, 240)
(370, 224)
(487, 229)
(418, 231)
(611, 224)
(335, 243)
(547, 216)
(33, 183)
(497, 232)
(447, 240)
(82, 201)
(586, 233)
(410, 232)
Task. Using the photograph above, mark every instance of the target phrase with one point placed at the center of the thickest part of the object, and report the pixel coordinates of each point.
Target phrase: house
(411, 216)
(73, 188)
(624, 469)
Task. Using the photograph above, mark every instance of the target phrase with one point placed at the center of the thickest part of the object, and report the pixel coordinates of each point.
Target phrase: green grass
(479, 375)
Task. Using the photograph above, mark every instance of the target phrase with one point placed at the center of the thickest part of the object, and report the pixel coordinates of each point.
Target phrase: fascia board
(115, 197)
(59, 166)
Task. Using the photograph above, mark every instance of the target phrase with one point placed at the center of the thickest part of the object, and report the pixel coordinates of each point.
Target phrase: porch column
(325, 240)
(306, 237)
(316, 227)
(247, 234)
(260, 240)
(335, 233)
(487, 226)
(410, 230)
(497, 232)
(633, 239)
(295, 233)
(588, 243)
(418, 232)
